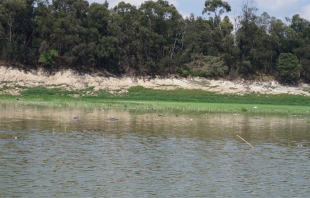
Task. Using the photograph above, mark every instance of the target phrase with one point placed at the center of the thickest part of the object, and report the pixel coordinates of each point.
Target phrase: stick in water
(245, 141)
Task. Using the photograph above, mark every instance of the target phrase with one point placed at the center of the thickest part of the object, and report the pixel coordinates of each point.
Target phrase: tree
(288, 67)
(299, 24)
(17, 29)
(197, 37)
(153, 39)
(69, 30)
(161, 34)
(47, 58)
(220, 39)
(106, 4)
(101, 43)
(218, 7)
(264, 52)
(246, 37)
(124, 26)
(301, 43)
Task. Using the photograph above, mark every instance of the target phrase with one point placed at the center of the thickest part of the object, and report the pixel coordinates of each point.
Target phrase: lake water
(79, 152)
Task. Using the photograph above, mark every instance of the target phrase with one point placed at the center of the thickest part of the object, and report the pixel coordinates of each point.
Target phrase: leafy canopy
(288, 66)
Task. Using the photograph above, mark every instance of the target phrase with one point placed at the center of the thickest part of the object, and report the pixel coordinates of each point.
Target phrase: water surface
(79, 152)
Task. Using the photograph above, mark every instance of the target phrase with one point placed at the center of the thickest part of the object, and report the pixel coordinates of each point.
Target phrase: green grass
(89, 88)
(42, 91)
(183, 95)
(5, 82)
(160, 107)
(139, 98)
(5, 87)
(212, 87)
(306, 89)
(165, 85)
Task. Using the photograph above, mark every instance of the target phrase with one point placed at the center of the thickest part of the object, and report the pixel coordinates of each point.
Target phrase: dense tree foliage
(288, 66)
(153, 39)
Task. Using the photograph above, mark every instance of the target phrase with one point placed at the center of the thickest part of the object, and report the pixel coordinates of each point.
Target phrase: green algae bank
(52, 151)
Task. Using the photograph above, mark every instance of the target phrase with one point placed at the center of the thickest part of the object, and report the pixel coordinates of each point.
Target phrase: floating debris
(245, 141)
(113, 119)
(75, 117)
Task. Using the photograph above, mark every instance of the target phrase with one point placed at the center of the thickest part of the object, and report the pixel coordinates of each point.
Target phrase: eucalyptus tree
(101, 42)
(277, 32)
(44, 22)
(301, 48)
(17, 29)
(247, 37)
(227, 47)
(205, 50)
(217, 7)
(97, 20)
(124, 26)
(221, 35)
(288, 67)
(67, 30)
(162, 34)
(264, 50)
(197, 37)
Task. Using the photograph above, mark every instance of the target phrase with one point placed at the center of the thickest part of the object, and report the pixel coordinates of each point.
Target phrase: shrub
(47, 58)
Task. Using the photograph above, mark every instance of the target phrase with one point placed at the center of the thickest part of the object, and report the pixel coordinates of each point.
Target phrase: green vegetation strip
(174, 100)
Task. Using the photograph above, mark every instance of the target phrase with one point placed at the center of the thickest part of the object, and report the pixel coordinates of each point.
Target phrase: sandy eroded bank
(13, 80)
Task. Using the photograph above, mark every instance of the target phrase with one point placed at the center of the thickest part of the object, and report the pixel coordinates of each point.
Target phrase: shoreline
(12, 81)
(160, 108)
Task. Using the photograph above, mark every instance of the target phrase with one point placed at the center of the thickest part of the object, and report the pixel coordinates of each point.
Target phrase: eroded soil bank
(12, 81)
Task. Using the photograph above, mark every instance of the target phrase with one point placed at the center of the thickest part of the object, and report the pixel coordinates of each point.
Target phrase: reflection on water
(143, 154)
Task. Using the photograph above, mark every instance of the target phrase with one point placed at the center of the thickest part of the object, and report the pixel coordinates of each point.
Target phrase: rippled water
(146, 155)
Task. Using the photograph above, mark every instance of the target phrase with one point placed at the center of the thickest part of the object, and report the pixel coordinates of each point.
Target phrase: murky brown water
(146, 155)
